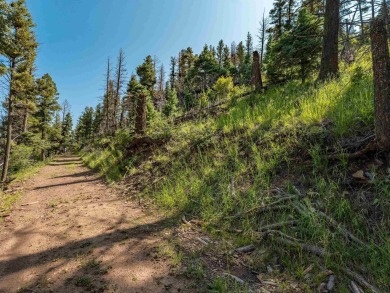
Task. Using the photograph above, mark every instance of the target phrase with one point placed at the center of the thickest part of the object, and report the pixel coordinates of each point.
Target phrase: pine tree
(172, 74)
(240, 53)
(146, 73)
(47, 104)
(172, 101)
(134, 88)
(249, 44)
(67, 125)
(18, 46)
(298, 48)
(220, 48)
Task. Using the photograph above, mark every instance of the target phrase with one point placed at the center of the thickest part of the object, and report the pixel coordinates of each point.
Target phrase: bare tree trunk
(7, 152)
(381, 67)
(361, 21)
(140, 120)
(263, 30)
(107, 106)
(329, 60)
(118, 87)
(256, 72)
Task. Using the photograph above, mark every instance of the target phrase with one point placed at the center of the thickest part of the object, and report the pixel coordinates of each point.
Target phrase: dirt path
(72, 233)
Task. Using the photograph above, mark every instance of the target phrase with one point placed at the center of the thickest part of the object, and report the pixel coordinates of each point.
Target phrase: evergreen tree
(67, 125)
(172, 74)
(172, 101)
(295, 54)
(97, 120)
(220, 55)
(249, 44)
(146, 73)
(18, 46)
(47, 104)
(134, 88)
(84, 128)
(240, 53)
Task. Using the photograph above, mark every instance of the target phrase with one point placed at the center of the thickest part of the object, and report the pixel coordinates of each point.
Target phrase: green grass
(27, 172)
(7, 199)
(214, 168)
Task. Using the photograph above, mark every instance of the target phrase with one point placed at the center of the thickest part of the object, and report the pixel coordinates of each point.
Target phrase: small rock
(331, 281)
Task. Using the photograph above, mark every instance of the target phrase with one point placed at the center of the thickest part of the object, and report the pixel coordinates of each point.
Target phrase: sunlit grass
(218, 167)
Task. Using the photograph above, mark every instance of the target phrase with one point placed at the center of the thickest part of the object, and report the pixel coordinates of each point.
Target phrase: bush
(223, 87)
(21, 157)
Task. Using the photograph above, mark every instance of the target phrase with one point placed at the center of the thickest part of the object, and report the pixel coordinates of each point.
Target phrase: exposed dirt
(70, 232)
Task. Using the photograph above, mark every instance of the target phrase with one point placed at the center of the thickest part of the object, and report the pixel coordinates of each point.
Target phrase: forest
(266, 160)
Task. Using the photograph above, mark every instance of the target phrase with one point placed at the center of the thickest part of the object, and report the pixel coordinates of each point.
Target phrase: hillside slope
(273, 169)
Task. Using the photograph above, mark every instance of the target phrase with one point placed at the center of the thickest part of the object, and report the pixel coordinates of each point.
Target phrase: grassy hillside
(277, 157)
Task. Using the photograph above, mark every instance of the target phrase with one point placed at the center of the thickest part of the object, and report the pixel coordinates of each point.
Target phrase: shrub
(223, 87)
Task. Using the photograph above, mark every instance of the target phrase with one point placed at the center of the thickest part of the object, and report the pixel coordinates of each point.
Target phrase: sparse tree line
(32, 126)
(301, 40)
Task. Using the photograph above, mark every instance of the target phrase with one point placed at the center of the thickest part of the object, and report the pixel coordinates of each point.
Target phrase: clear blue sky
(77, 36)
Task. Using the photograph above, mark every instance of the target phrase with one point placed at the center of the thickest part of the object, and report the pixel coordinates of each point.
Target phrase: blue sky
(77, 36)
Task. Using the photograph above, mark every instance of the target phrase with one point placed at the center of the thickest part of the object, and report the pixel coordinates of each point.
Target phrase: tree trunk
(256, 73)
(107, 106)
(140, 121)
(7, 152)
(361, 21)
(25, 121)
(381, 68)
(329, 61)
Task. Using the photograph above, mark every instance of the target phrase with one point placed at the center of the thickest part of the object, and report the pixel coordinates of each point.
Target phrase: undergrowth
(271, 145)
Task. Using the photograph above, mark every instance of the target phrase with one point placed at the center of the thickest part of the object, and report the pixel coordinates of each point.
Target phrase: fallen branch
(360, 280)
(269, 207)
(354, 288)
(277, 225)
(301, 210)
(245, 249)
(286, 239)
(371, 147)
(30, 203)
(319, 251)
(341, 229)
(235, 278)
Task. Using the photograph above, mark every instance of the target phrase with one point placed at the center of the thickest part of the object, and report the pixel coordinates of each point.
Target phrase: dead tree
(264, 23)
(120, 79)
(256, 72)
(329, 60)
(140, 120)
(381, 68)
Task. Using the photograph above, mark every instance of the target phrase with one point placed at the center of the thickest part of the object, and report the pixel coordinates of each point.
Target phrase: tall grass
(215, 168)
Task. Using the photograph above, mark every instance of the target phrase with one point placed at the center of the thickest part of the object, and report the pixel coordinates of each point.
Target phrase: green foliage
(296, 53)
(84, 131)
(223, 87)
(147, 73)
(21, 157)
(47, 103)
(171, 103)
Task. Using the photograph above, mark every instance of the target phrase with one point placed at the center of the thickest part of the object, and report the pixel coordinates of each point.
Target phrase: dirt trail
(76, 235)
